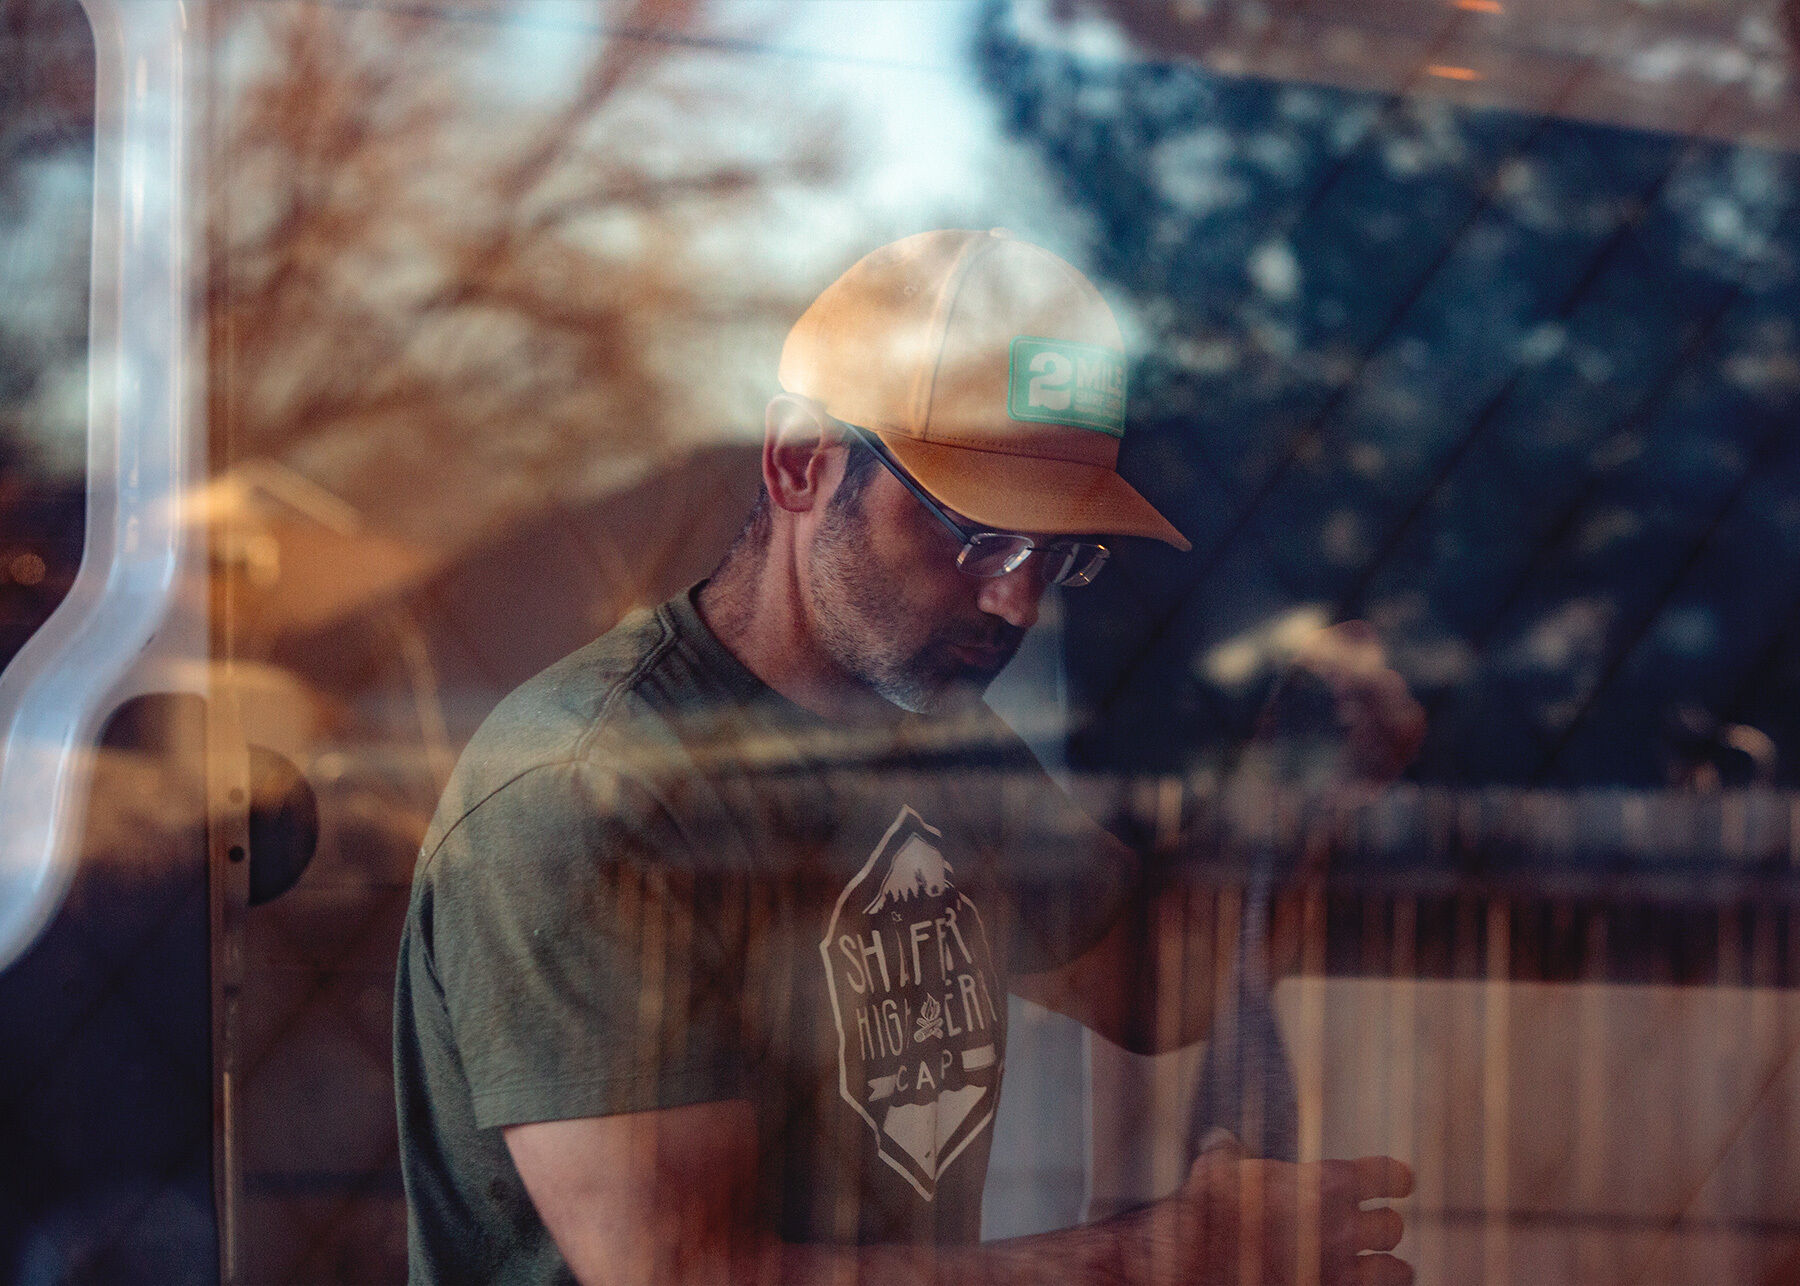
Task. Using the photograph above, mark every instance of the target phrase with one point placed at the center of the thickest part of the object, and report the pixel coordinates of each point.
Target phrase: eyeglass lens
(1066, 562)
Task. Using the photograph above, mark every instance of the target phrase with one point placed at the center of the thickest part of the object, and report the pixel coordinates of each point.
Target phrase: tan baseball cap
(992, 370)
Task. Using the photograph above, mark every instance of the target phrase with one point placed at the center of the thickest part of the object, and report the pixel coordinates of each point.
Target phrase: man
(706, 967)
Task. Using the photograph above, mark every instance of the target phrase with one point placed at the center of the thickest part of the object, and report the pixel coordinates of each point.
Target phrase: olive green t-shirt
(652, 881)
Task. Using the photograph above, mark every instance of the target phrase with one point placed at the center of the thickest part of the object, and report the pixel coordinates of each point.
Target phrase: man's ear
(797, 441)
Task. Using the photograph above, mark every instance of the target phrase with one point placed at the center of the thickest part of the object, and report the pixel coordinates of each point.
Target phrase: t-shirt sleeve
(1072, 879)
(577, 943)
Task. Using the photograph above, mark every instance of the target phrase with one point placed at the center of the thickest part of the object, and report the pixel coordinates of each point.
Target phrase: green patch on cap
(1057, 381)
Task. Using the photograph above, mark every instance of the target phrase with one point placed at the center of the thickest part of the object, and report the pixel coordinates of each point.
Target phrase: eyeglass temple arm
(875, 447)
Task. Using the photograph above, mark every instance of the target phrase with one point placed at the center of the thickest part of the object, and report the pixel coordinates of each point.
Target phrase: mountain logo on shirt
(918, 869)
(920, 1013)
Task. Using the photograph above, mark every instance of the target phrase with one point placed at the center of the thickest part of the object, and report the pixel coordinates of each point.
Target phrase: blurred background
(1475, 319)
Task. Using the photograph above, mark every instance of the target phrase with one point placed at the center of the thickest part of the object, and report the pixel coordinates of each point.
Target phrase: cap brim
(1031, 494)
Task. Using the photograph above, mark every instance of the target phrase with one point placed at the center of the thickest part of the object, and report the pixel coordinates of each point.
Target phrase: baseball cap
(991, 369)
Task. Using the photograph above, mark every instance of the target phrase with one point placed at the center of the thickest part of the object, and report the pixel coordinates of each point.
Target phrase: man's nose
(1014, 596)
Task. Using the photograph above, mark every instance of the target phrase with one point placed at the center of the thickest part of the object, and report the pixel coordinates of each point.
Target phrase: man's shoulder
(592, 716)
(549, 715)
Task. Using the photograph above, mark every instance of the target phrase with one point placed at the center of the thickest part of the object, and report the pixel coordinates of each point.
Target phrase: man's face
(891, 609)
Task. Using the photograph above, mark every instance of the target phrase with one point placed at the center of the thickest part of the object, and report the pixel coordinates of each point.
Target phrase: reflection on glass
(1473, 321)
(46, 204)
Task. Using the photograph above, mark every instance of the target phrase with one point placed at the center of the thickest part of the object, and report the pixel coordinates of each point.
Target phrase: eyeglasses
(987, 554)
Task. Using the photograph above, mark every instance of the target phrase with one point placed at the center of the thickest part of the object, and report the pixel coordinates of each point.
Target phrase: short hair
(859, 466)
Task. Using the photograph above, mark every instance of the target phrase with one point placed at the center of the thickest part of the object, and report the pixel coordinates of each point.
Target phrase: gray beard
(853, 614)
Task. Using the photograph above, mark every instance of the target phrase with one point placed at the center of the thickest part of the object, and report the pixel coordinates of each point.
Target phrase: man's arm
(667, 1196)
(1149, 984)
(1144, 986)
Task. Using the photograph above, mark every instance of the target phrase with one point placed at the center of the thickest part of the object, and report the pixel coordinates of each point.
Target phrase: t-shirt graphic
(918, 1005)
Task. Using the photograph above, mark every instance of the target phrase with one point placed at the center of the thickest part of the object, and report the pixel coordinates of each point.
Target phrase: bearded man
(706, 971)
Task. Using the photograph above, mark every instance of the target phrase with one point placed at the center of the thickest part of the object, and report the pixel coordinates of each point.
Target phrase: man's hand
(1340, 716)
(1359, 700)
(1383, 726)
(1238, 1222)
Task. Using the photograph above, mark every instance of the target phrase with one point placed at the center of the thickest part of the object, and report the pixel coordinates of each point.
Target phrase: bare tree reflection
(473, 263)
(482, 277)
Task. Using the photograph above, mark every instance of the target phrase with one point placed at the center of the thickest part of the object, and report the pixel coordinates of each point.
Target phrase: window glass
(1470, 321)
(46, 217)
